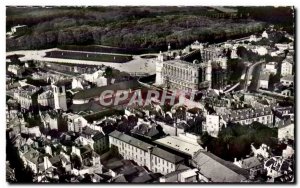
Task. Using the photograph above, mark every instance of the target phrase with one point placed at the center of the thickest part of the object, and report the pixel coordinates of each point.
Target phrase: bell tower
(159, 69)
(208, 73)
(60, 100)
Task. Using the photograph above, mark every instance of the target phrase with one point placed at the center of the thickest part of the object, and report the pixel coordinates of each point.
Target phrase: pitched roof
(145, 130)
(98, 136)
(58, 158)
(32, 155)
(217, 169)
(96, 91)
(284, 123)
(144, 146)
(90, 106)
(250, 162)
(288, 77)
(264, 76)
(179, 144)
(142, 179)
(89, 131)
(120, 179)
(63, 82)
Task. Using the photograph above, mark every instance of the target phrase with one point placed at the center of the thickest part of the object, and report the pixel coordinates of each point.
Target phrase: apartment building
(144, 154)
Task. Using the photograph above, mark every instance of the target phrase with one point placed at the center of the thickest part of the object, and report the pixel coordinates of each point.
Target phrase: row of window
(131, 152)
(263, 119)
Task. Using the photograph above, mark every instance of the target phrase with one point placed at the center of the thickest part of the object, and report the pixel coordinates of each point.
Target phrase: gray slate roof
(32, 155)
(250, 162)
(144, 146)
(98, 136)
(96, 91)
(217, 169)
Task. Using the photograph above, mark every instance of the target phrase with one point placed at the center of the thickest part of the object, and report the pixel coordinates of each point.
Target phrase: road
(252, 70)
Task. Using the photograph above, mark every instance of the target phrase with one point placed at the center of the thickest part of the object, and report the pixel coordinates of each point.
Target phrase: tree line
(138, 27)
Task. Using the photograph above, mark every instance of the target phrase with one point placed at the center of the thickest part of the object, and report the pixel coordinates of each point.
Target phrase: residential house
(75, 122)
(247, 116)
(287, 80)
(46, 98)
(101, 142)
(286, 130)
(286, 68)
(183, 174)
(253, 164)
(27, 96)
(264, 80)
(16, 70)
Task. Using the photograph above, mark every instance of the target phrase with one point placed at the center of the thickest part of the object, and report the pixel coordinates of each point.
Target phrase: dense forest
(136, 27)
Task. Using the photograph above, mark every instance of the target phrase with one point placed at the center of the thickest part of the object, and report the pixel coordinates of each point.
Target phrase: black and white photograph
(150, 94)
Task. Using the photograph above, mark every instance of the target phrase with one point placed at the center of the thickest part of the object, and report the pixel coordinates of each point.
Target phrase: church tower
(159, 69)
(208, 73)
(60, 100)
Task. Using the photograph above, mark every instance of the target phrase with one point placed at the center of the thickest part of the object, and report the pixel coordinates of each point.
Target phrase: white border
(4, 3)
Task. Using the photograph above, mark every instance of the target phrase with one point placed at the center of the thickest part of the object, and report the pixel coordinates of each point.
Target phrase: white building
(282, 47)
(159, 68)
(50, 119)
(18, 28)
(46, 99)
(288, 152)
(183, 175)
(76, 84)
(247, 116)
(260, 50)
(287, 80)
(264, 80)
(26, 96)
(179, 74)
(75, 122)
(60, 99)
(102, 81)
(286, 68)
(93, 76)
(212, 125)
(253, 38)
(271, 67)
(287, 92)
(79, 83)
(16, 69)
(155, 159)
(286, 131)
(196, 46)
(82, 141)
(185, 143)
(265, 34)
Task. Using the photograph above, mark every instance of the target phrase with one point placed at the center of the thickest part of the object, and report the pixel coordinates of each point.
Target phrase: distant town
(208, 112)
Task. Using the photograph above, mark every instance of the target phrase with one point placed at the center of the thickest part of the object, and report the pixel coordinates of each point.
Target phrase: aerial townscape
(150, 95)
